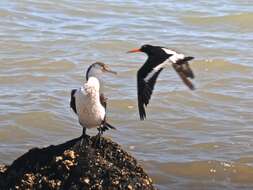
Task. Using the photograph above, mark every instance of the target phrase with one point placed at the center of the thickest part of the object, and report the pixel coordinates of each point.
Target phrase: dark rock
(76, 164)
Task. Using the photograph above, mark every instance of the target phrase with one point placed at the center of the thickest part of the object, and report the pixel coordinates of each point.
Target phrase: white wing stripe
(168, 51)
(156, 69)
(175, 56)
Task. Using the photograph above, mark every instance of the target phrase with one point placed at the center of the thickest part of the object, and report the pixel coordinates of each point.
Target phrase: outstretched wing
(184, 71)
(73, 100)
(184, 67)
(145, 89)
(187, 70)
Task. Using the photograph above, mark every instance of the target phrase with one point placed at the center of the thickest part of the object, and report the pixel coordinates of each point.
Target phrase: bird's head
(145, 49)
(149, 50)
(97, 69)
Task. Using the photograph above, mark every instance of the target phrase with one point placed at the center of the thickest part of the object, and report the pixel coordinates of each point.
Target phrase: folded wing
(73, 100)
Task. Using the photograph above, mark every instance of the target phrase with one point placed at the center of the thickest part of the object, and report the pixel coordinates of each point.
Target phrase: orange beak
(134, 51)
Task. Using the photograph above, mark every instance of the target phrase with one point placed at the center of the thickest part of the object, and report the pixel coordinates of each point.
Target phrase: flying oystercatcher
(159, 58)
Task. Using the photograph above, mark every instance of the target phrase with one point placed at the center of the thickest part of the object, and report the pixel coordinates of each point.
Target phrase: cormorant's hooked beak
(134, 51)
(107, 69)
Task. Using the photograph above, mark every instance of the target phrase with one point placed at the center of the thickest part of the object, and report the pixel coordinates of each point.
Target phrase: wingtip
(189, 58)
(190, 85)
(192, 88)
(142, 116)
(142, 112)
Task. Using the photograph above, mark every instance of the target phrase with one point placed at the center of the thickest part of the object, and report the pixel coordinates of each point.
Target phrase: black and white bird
(89, 103)
(159, 58)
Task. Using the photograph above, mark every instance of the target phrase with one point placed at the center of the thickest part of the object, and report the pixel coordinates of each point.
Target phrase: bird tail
(108, 126)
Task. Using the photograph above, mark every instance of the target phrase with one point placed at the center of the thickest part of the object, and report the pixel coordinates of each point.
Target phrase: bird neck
(92, 88)
(101, 83)
(92, 72)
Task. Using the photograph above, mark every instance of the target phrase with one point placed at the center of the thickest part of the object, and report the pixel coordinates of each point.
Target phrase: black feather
(145, 90)
(182, 65)
(106, 126)
(183, 75)
(184, 60)
(109, 125)
(73, 100)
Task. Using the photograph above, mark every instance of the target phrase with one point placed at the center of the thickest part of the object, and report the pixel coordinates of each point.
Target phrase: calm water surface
(191, 140)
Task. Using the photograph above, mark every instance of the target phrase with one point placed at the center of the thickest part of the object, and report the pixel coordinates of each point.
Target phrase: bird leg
(83, 136)
(84, 132)
(100, 133)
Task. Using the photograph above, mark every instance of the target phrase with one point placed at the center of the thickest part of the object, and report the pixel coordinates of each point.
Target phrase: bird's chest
(90, 112)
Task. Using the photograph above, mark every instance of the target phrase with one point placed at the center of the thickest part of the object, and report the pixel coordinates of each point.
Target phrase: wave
(220, 65)
(238, 172)
(242, 19)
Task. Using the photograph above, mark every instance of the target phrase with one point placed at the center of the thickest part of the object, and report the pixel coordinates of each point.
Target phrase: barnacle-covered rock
(76, 164)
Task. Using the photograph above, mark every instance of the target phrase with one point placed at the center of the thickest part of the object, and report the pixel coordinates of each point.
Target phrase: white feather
(169, 51)
(156, 69)
(89, 109)
(172, 59)
(175, 56)
(96, 72)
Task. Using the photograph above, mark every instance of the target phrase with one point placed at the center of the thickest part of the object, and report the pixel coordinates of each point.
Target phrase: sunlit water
(191, 140)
